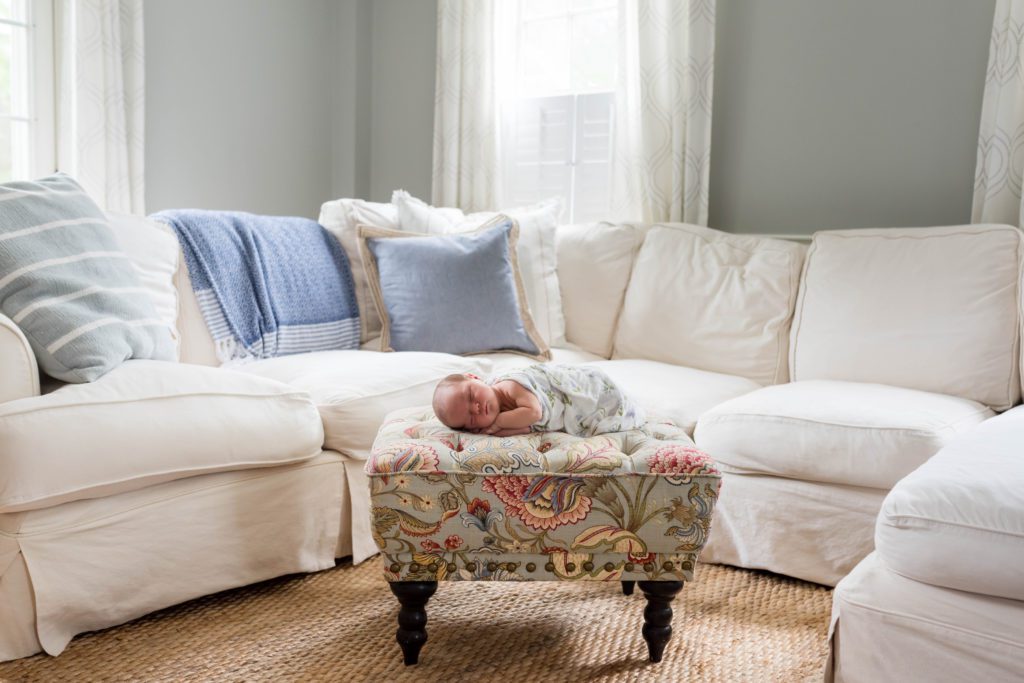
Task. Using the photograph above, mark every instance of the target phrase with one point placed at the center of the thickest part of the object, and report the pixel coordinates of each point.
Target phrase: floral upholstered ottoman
(454, 506)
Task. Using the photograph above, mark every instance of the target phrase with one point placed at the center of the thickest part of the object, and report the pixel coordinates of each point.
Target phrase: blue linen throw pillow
(68, 285)
(459, 293)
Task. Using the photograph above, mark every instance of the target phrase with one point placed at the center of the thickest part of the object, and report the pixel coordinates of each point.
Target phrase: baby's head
(464, 402)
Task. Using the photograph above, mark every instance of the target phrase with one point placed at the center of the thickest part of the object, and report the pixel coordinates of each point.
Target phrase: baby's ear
(470, 375)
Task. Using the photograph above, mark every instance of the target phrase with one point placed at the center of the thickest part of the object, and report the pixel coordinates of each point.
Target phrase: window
(26, 89)
(556, 93)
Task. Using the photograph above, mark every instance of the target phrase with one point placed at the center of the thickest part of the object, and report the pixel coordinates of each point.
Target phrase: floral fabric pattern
(452, 505)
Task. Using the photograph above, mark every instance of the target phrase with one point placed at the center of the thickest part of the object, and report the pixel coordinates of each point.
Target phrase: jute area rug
(338, 625)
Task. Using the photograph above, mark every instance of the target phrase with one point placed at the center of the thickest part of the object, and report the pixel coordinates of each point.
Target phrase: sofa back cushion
(712, 301)
(594, 264)
(934, 309)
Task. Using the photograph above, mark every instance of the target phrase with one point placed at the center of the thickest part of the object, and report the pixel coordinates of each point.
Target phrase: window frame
(40, 82)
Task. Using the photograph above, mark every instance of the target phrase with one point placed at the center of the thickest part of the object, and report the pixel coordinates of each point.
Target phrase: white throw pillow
(934, 309)
(538, 260)
(342, 217)
(153, 251)
(713, 301)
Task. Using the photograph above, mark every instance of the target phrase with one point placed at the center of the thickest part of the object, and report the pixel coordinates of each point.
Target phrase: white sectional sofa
(818, 379)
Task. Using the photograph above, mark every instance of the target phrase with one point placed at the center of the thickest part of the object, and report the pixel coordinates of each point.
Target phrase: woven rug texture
(338, 625)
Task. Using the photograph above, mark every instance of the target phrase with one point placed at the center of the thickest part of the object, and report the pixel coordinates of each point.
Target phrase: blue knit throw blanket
(267, 285)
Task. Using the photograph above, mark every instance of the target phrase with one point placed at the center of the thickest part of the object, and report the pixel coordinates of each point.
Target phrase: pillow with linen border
(458, 293)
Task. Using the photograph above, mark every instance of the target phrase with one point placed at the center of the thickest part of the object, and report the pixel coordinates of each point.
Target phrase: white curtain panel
(661, 154)
(466, 130)
(999, 174)
(101, 100)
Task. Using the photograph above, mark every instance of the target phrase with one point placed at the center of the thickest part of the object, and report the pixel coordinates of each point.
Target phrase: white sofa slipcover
(678, 393)
(146, 422)
(709, 300)
(812, 531)
(886, 627)
(94, 563)
(958, 520)
(847, 433)
(934, 309)
(20, 376)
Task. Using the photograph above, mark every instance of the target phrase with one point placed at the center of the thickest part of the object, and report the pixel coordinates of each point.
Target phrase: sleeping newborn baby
(576, 399)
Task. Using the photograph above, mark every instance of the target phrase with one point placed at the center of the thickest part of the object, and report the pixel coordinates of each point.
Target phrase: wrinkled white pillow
(153, 251)
(536, 251)
(342, 217)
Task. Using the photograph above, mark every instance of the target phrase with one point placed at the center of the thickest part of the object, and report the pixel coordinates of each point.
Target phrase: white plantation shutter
(559, 146)
(592, 162)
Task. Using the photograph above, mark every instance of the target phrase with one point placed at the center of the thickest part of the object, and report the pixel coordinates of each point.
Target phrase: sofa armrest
(19, 374)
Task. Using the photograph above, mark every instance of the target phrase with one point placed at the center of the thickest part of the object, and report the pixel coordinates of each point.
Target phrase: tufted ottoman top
(547, 505)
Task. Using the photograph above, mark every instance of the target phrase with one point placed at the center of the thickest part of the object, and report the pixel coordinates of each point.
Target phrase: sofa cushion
(146, 422)
(568, 355)
(934, 309)
(958, 520)
(354, 390)
(594, 264)
(712, 301)
(835, 432)
(680, 394)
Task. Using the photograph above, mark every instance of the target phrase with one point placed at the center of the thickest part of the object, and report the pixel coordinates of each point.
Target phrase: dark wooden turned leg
(627, 587)
(658, 614)
(412, 617)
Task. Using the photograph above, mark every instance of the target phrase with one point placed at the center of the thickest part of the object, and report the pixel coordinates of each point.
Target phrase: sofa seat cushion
(569, 354)
(354, 390)
(147, 422)
(678, 393)
(958, 520)
(835, 432)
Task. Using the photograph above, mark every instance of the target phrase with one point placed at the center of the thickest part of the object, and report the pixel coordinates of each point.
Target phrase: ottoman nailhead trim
(550, 566)
(491, 566)
(395, 567)
(531, 567)
(588, 566)
(414, 567)
(649, 567)
(571, 567)
(687, 565)
(451, 567)
(511, 566)
(434, 566)
(629, 566)
(667, 566)
(608, 566)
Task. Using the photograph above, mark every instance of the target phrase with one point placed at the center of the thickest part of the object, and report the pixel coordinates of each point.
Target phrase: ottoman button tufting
(667, 566)
(649, 567)
(531, 567)
(471, 566)
(629, 566)
(588, 566)
(550, 566)
(608, 566)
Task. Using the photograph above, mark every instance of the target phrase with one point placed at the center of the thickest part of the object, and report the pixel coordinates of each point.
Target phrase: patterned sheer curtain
(999, 174)
(101, 100)
(465, 172)
(661, 156)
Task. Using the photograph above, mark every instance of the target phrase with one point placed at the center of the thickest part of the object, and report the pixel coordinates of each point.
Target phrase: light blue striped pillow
(69, 287)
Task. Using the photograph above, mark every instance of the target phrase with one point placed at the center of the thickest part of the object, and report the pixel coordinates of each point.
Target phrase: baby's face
(471, 405)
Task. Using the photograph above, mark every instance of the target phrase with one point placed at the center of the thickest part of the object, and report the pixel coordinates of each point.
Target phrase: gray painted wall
(239, 104)
(846, 114)
(826, 114)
